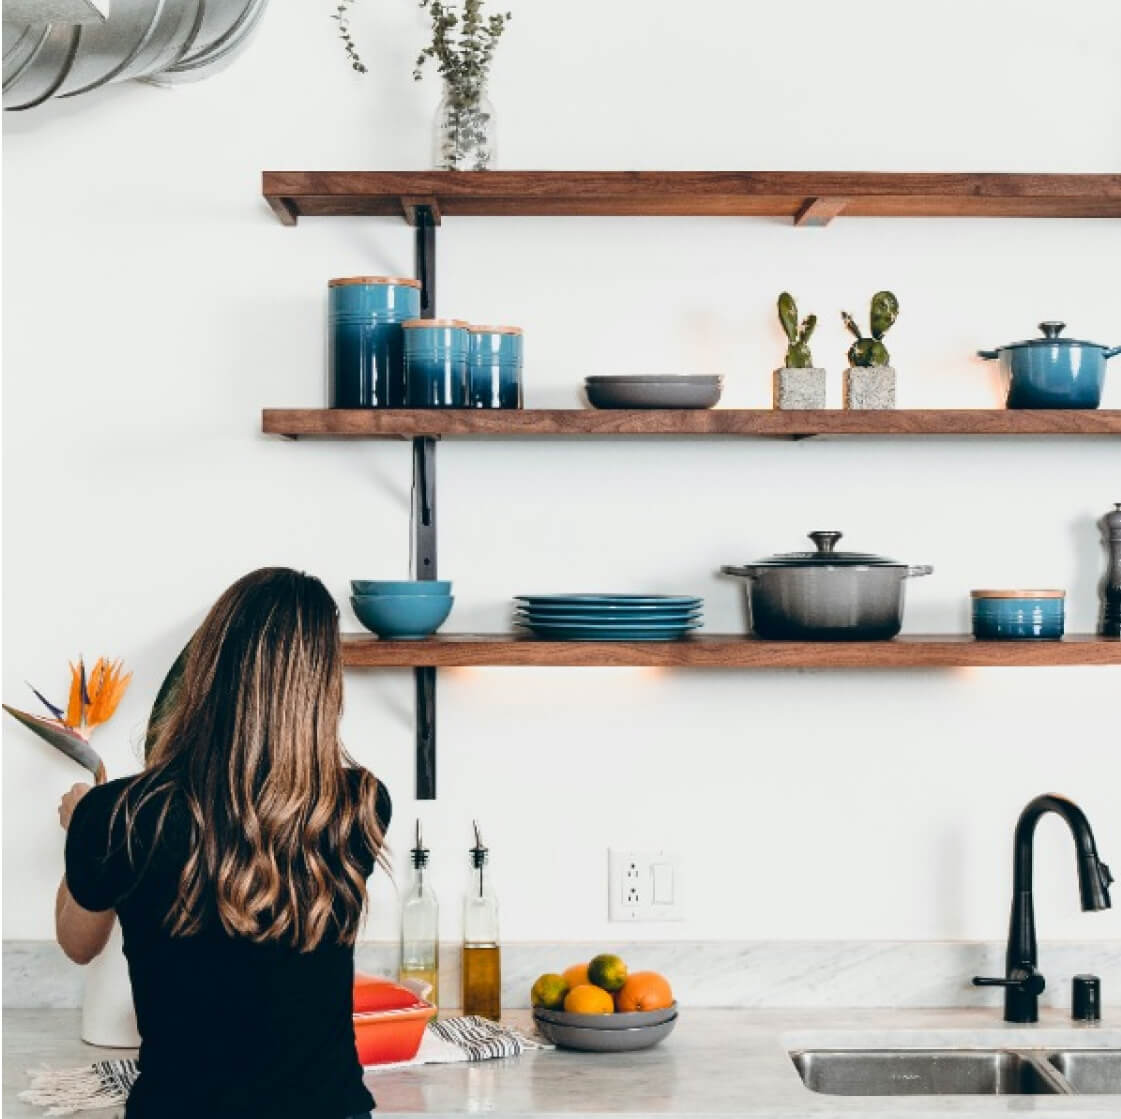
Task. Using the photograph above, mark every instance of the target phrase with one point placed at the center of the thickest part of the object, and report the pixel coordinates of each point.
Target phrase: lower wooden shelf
(458, 650)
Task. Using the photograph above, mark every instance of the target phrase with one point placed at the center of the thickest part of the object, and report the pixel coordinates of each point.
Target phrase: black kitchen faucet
(1022, 981)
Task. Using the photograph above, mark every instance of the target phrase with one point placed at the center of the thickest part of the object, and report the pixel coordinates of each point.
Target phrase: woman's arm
(81, 933)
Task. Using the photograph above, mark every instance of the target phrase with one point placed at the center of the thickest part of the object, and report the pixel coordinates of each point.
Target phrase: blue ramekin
(1019, 615)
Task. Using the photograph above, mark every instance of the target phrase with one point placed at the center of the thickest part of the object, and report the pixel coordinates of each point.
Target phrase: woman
(237, 864)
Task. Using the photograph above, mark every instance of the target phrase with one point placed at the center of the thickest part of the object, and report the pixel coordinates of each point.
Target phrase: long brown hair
(249, 738)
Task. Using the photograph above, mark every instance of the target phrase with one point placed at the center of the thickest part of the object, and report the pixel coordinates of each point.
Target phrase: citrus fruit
(608, 972)
(549, 991)
(644, 990)
(576, 975)
(588, 999)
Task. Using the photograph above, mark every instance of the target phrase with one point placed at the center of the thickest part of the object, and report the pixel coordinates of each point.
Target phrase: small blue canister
(436, 353)
(1016, 615)
(494, 377)
(366, 345)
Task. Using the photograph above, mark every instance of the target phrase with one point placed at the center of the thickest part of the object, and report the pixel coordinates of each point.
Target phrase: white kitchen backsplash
(802, 973)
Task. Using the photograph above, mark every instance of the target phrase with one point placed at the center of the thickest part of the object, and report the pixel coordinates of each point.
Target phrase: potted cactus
(798, 384)
(870, 379)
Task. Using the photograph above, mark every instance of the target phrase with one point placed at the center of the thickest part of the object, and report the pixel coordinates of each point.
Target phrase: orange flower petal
(74, 702)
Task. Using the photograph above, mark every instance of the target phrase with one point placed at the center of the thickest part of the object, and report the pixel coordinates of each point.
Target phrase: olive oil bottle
(420, 926)
(482, 957)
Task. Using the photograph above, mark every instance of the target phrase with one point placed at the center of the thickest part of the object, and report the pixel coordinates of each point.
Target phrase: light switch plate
(644, 886)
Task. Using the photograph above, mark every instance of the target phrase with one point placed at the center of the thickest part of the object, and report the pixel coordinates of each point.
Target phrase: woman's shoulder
(359, 781)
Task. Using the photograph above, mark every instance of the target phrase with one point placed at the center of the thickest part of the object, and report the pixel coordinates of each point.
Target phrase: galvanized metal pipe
(165, 41)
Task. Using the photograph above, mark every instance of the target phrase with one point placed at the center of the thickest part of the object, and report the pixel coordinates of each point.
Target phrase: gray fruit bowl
(598, 1040)
(627, 1020)
(653, 394)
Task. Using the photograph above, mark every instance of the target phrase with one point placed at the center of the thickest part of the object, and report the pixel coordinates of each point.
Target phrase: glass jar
(420, 927)
(365, 341)
(464, 133)
(494, 374)
(436, 363)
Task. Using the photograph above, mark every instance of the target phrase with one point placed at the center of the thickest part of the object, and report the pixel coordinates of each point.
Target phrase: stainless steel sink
(1090, 1071)
(927, 1072)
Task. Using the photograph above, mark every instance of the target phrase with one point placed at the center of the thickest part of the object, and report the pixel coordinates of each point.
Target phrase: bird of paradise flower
(92, 700)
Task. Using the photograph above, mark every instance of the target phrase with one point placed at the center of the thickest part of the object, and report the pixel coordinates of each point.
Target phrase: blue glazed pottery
(1053, 372)
(436, 352)
(407, 617)
(1018, 615)
(365, 341)
(426, 587)
(494, 371)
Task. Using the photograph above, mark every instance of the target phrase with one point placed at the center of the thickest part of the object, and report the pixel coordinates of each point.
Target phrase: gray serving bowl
(652, 394)
(625, 1021)
(605, 1041)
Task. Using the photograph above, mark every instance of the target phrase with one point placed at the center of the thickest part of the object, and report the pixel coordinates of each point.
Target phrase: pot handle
(920, 569)
(741, 572)
(1113, 352)
(988, 355)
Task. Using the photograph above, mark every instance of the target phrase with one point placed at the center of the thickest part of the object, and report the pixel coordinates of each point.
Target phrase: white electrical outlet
(644, 886)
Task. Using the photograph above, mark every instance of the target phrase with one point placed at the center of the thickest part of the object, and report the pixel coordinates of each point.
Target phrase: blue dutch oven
(1053, 372)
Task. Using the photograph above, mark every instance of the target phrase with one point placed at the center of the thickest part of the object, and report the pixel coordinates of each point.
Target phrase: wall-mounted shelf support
(425, 217)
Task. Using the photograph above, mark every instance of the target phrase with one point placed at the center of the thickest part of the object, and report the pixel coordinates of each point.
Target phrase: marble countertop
(716, 1063)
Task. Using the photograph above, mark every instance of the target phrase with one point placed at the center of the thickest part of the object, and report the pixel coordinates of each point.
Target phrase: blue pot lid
(825, 556)
(1051, 331)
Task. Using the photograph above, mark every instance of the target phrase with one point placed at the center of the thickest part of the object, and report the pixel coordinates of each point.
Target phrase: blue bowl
(426, 587)
(405, 617)
(1027, 615)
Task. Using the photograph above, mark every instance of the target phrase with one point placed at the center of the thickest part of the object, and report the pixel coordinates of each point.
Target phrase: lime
(608, 972)
(549, 991)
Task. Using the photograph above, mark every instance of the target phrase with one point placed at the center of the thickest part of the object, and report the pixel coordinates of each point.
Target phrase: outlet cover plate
(644, 886)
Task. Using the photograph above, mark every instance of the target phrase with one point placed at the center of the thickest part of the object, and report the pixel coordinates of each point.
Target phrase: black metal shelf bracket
(424, 518)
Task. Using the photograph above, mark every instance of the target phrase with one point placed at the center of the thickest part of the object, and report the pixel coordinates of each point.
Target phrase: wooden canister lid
(475, 328)
(417, 324)
(1018, 594)
(398, 281)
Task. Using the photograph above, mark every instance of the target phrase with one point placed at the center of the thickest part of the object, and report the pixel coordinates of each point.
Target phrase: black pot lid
(825, 556)
(1051, 332)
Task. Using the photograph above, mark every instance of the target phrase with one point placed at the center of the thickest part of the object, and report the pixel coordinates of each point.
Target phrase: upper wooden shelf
(806, 197)
(391, 423)
(726, 651)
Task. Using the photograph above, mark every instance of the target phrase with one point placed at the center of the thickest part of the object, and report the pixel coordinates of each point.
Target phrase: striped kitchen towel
(108, 1083)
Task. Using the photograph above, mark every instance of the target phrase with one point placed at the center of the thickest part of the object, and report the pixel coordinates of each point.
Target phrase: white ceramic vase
(108, 1014)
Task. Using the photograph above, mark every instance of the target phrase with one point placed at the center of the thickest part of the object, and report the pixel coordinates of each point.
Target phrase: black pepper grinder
(1111, 590)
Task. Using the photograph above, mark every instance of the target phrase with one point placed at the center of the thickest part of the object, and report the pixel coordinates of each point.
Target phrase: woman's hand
(69, 802)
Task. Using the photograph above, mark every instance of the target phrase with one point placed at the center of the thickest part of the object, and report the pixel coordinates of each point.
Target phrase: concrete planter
(798, 388)
(870, 387)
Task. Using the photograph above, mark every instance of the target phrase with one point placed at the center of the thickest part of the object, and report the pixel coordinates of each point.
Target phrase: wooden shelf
(806, 197)
(373, 423)
(726, 651)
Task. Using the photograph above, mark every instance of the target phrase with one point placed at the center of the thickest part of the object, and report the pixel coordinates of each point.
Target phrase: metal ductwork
(160, 41)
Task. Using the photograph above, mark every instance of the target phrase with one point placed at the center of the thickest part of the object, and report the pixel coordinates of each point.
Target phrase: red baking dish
(389, 1020)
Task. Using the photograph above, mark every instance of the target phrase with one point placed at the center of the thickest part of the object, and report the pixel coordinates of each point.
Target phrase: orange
(589, 999)
(576, 975)
(644, 990)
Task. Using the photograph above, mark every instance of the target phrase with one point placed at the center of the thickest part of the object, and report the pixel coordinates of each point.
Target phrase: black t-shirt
(229, 1028)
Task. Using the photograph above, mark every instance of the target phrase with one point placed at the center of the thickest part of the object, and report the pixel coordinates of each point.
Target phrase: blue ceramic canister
(366, 347)
(1016, 615)
(494, 376)
(436, 363)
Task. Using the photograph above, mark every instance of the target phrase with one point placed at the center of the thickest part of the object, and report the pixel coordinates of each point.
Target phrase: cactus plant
(798, 354)
(872, 351)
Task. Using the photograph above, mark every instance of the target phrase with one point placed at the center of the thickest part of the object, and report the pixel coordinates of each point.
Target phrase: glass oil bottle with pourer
(420, 926)
(482, 961)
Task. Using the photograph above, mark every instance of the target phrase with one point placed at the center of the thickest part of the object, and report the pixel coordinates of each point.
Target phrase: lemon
(608, 972)
(549, 991)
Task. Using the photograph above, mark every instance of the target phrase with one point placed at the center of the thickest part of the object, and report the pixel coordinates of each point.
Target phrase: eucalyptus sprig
(340, 16)
(463, 61)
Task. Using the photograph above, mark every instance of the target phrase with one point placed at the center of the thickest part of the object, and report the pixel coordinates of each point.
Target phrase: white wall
(154, 306)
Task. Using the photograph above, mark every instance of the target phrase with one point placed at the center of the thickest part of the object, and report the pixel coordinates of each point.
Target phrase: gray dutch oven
(826, 595)
(1053, 372)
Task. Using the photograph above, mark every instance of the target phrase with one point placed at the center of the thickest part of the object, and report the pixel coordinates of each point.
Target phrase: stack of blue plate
(608, 617)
